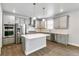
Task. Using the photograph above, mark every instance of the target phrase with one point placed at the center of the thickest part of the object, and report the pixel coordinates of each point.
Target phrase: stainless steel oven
(8, 30)
(9, 34)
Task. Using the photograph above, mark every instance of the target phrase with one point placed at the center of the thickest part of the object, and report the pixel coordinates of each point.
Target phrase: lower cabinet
(52, 37)
(9, 40)
(23, 43)
(61, 38)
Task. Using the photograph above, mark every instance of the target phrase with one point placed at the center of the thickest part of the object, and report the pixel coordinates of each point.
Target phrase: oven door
(9, 37)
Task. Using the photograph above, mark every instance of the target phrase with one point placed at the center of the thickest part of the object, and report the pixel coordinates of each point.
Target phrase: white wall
(74, 28)
(0, 28)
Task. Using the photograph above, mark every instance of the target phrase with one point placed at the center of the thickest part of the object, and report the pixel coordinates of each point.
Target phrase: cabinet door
(57, 23)
(5, 20)
(62, 38)
(8, 40)
(38, 23)
(8, 19)
(61, 22)
(42, 24)
(12, 19)
(22, 21)
(26, 21)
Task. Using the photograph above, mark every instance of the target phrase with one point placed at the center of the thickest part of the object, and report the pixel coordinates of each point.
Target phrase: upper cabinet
(8, 19)
(38, 24)
(21, 20)
(17, 20)
(12, 19)
(61, 22)
(41, 24)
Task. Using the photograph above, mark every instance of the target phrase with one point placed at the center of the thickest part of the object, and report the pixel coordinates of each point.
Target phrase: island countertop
(36, 35)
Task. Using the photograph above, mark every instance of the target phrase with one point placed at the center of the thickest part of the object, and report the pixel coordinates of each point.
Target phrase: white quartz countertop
(56, 31)
(36, 35)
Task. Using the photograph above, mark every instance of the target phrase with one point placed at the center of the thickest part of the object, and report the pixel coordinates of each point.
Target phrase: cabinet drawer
(8, 41)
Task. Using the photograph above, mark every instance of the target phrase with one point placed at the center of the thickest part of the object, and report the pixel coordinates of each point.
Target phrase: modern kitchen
(39, 29)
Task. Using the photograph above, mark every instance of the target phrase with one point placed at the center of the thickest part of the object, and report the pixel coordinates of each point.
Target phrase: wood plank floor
(52, 49)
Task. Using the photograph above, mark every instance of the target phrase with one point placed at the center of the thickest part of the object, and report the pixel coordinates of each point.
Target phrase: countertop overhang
(36, 35)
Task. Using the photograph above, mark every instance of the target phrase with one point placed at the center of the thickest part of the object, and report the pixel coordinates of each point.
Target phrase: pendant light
(34, 5)
(43, 14)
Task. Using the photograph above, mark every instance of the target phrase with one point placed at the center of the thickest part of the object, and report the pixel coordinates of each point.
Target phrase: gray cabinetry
(62, 38)
(61, 22)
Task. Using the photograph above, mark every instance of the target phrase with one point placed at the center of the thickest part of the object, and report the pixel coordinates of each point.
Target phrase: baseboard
(73, 44)
(27, 53)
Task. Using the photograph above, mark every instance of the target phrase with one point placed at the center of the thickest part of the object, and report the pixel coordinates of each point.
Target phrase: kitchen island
(33, 42)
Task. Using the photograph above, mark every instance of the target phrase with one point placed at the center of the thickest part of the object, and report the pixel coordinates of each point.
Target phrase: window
(50, 24)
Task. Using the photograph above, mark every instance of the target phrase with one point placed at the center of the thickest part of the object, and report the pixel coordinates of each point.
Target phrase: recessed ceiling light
(43, 19)
(61, 10)
(34, 18)
(14, 11)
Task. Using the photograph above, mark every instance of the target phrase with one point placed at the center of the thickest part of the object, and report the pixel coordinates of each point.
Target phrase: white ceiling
(51, 8)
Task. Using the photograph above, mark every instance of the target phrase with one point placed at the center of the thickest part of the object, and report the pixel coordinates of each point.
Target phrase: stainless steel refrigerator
(20, 29)
(17, 33)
